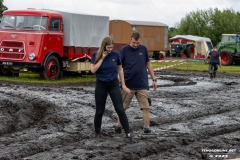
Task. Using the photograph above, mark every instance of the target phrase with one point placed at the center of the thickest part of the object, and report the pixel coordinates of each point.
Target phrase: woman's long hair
(106, 41)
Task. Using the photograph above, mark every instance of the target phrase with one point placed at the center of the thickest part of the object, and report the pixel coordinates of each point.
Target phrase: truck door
(55, 41)
(52, 67)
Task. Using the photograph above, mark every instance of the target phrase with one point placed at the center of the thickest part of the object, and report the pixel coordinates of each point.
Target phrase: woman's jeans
(101, 92)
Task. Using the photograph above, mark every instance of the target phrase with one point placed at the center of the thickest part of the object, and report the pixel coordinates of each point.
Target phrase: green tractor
(229, 49)
(182, 50)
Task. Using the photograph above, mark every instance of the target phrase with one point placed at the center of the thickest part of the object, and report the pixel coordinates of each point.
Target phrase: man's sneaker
(118, 129)
(146, 130)
(129, 136)
(98, 135)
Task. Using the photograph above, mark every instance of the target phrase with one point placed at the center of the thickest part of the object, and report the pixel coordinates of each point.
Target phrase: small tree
(2, 7)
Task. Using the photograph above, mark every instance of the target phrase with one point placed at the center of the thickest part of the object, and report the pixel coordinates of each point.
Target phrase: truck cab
(49, 42)
(27, 37)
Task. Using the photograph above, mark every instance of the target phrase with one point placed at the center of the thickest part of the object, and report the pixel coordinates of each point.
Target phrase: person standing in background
(214, 61)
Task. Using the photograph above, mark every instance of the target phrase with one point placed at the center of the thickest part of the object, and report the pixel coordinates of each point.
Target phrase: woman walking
(106, 64)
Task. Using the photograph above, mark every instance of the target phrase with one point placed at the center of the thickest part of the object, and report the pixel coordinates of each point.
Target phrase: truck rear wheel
(52, 69)
(226, 58)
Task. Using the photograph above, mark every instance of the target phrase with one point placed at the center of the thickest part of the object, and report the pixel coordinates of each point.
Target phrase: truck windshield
(24, 22)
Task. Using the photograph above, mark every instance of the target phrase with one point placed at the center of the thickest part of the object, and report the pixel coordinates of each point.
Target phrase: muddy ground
(191, 118)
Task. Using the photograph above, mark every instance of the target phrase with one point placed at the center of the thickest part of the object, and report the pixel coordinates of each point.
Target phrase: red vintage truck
(49, 42)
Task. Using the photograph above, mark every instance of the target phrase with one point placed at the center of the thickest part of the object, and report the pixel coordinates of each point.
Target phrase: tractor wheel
(182, 55)
(190, 51)
(52, 69)
(226, 58)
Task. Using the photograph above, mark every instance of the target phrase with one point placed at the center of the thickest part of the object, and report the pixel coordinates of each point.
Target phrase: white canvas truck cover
(82, 30)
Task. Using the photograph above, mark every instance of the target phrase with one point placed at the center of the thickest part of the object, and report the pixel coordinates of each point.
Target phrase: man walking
(215, 60)
(136, 65)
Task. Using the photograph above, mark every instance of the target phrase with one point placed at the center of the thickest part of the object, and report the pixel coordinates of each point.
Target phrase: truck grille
(12, 50)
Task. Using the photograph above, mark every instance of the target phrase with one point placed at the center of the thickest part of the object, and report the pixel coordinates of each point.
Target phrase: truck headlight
(31, 56)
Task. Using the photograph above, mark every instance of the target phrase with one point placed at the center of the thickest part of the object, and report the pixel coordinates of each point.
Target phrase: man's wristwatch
(154, 80)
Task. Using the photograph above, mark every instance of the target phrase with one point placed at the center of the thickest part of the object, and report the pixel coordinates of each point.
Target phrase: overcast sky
(169, 12)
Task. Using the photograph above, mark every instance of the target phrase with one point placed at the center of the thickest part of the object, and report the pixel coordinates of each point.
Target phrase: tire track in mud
(179, 142)
(19, 112)
(65, 134)
(24, 112)
(181, 127)
(133, 154)
(201, 133)
(188, 110)
(174, 140)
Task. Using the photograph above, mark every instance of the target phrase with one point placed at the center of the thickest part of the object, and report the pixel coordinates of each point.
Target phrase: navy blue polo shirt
(108, 69)
(134, 62)
(214, 57)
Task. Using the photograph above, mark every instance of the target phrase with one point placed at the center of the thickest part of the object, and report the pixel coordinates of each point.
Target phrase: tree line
(211, 23)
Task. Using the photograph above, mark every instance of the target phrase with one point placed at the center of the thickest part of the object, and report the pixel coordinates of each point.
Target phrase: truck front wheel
(52, 69)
